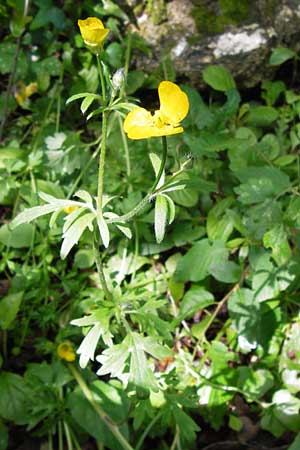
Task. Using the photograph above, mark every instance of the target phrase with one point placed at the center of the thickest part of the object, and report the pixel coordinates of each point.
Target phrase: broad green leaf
(17, 237)
(194, 265)
(219, 225)
(84, 258)
(295, 444)
(14, 397)
(9, 307)
(160, 217)
(111, 398)
(254, 383)
(260, 183)
(195, 299)
(4, 436)
(254, 322)
(261, 116)
(280, 55)
(276, 239)
(219, 78)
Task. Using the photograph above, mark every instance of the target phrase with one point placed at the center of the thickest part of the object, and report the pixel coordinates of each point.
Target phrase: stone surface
(239, 34)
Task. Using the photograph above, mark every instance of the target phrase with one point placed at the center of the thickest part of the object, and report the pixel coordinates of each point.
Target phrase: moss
(211, 19)
(157, 11)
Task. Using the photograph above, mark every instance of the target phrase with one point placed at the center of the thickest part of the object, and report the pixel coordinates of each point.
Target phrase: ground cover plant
(150, 244)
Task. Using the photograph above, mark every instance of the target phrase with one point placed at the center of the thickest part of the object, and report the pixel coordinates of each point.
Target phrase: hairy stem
(98, 409)
(102, 279)
(140, 206)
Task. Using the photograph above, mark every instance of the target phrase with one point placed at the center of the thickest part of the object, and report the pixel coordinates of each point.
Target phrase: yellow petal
(92, 31)
(138, 124)
(174, 103)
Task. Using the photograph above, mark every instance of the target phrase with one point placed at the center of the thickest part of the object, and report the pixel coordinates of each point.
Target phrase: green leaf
(295, 444)
(254, 322)
(17, 237)
(261, 116)
(14, 397)
(9, 307)
(135, 80)
(194, 265)
(254, 383)
(160, 217)
(276, 239)
(81, 95)
(260, 183)
(72, 235)
(84, 258)
(114, 402)
(32, 213)
(219, 78)
(3, 436)
(219, 225)
(103, 230)
(115, 55)
(195, 299)
(280, 55)
(86, 103)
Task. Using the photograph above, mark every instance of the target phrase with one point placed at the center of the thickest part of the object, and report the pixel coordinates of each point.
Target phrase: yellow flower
(70, 209)
(93, 33)
(174, 106)
(23, 92)
(65, 351)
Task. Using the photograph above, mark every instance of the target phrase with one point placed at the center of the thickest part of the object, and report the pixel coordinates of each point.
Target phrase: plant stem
(101, 164)
(143, 203)
(125, 145)
(98, 409)
(151, 424)
(97, 257)
(68, 436)
(101, 75)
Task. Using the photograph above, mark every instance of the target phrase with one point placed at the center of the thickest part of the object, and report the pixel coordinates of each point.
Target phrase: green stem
(147, 430)
(101, 164)
(97, 257)
(101, 75)
(98, 409)
(125, 145)
(68, 436)
(144, 202)
(60, 437)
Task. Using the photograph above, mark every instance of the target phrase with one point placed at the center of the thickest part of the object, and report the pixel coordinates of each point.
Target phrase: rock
(239, 34)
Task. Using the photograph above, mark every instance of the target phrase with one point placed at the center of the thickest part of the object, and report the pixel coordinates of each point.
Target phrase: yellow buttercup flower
(23, 92)
(65, 351)
(93, 33)
(70, 209)
(174, 106)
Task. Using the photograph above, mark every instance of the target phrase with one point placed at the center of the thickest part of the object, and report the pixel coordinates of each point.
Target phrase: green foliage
(204, 277)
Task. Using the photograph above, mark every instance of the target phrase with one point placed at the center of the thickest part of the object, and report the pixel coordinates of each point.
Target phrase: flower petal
(139, 124)
(174, 103)
(92, 30)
